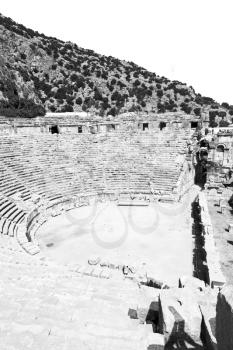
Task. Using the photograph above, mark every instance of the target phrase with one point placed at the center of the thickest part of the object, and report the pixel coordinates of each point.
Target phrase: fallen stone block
(105, 274)
(208, 311)
(142, 312)
(155, 341)
(191, 282)
(230, 228)
(88, 271)
(180, 316)
(96, 272)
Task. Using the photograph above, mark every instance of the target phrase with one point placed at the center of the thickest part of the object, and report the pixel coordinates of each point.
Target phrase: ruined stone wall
(186, 179)
(216, 278)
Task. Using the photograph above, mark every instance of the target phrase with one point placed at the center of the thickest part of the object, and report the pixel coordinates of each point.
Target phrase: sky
(185, 40)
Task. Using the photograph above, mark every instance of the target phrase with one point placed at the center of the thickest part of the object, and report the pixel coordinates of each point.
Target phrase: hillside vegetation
(40, 73)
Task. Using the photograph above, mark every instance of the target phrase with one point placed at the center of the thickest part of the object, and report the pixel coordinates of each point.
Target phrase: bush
(222, 114)
(143, 104)
(61, 93)
(97, 95)
(113, 81)
(159, 93)
(112, 111)
(197, 111)
(223, 123)
(23, 56)
(213, 123)
(67, 108)
(186, 108)
(161, 108)
(52, 108)
(225, 105)
(79, 101)
(136, 82)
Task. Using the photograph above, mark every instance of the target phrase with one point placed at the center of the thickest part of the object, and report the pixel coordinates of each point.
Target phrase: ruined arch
(220, 147)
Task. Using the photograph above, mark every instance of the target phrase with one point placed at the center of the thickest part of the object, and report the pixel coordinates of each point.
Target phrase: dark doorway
(54, 129)
(145, 126)
(162, 125)
(194, 125)
(220, 148)
(80, 129)
(204, 143)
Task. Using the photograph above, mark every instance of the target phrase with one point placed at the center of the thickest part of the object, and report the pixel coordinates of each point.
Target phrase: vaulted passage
(54, 129)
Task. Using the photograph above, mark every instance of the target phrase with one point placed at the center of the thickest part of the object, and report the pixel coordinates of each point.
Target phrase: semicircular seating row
(56, 168)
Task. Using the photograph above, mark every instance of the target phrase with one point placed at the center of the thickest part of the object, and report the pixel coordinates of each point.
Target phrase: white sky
(186, 40)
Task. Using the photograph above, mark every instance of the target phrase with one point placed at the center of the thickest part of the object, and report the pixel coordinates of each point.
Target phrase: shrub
(52, 108)
(186, 108)
(161, 108)
(225, 105)
(159, 93)
(98, 73)
(197, 111)
(61, 93)
(112, 111)
(67, 108)
(136, 83)
(97, 95)
(223, 123)
(23, 56)
(113, 81)
(79, 101)
(222, 114)
(143, 104)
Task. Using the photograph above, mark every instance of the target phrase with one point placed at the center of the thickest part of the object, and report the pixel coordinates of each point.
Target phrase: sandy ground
(159, 236)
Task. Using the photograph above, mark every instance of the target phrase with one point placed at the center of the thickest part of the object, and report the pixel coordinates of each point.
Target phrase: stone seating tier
(57, 167)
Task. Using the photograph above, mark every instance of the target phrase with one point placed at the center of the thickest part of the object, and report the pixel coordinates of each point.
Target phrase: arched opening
(162, 125)
(54, 129)
(194, 125)
(220, 153)
(204, 143)
(145, 126)
(220, 148)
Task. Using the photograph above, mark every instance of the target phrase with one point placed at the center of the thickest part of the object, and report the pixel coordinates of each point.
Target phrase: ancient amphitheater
(114, 235)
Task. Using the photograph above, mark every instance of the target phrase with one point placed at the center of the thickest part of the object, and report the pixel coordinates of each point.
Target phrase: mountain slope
(39, 72)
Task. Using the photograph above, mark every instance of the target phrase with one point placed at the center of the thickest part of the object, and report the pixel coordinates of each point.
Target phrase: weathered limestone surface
(207, 306)
(181, 317)
(191, 282)
(224, 319)
(155, 341)
(45, 305)
(216, 277)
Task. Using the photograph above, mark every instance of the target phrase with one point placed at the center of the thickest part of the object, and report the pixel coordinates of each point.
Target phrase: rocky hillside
(39, 73)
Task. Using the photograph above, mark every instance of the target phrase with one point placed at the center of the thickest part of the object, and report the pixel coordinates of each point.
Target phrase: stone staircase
(50, 306)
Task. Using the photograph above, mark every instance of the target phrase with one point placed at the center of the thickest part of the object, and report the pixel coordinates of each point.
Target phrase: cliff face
(39, 72)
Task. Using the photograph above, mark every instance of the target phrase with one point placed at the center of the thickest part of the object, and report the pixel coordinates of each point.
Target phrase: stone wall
(216, 278)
